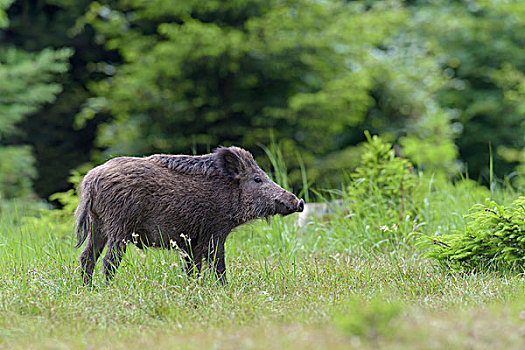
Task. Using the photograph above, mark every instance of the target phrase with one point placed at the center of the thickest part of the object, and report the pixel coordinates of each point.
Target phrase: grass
(334, 284)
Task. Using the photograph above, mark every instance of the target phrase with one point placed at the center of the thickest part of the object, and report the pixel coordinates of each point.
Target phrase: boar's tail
(83, 214)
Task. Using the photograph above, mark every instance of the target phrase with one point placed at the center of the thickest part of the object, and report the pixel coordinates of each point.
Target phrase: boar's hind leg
(114, 253)
(94, 246)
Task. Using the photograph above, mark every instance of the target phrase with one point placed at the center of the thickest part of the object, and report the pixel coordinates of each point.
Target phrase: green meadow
(340, 281)
(401, 122)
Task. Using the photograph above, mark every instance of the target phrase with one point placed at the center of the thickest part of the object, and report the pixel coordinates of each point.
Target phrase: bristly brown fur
(208, 164)
(173, 201)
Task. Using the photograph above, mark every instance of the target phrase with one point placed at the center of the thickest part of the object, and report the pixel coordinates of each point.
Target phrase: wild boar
(168, 201)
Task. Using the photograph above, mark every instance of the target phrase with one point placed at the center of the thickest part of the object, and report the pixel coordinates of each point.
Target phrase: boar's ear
(229, 163)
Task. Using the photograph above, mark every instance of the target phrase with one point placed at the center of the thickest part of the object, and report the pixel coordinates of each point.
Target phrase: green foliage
(69, 199)
(243, 72)
(494, 237)
(59, 221)
(408, 77)
(383, 186)
(309, 73)
(4, 21)
(37, 25)
(26, 83)
(481, 53)
(160, 76)
(16, 171)
(382, 168)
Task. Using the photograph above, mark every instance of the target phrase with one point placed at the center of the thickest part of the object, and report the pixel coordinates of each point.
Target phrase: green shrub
(494, 238)
(382, 188)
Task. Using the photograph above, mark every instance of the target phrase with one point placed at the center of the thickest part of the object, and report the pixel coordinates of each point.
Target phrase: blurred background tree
(482, 54)
(27, 81)
(196, 75)
(57, 145)
(440, 78)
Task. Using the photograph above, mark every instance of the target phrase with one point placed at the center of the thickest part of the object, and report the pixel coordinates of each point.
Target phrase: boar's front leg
(215, 258)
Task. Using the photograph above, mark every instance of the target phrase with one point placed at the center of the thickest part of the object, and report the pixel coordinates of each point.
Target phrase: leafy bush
(383, 185)
(494, 237)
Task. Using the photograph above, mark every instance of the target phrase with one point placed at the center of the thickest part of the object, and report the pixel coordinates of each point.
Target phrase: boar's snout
(300, 206)
(288, 203)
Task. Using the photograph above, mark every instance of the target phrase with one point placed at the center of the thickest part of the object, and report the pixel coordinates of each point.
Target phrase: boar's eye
(257, 179)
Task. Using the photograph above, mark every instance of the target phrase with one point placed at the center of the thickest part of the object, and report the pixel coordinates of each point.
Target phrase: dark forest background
(83, 81)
